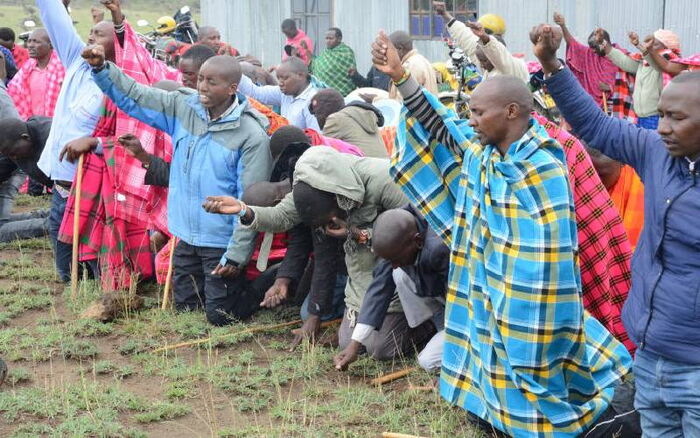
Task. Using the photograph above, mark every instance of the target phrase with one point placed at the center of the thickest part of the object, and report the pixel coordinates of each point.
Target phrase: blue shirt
(294, 109)
(662, 311)
(80, 101)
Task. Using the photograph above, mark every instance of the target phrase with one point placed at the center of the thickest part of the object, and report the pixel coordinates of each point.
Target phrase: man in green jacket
(341, 195)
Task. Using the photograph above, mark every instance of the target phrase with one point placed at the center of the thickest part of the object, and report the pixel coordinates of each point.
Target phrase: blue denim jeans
(668, 396)
(651, 122)
(61, 251)
(338, 303)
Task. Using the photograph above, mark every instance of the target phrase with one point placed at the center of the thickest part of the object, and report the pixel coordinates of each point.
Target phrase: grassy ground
(13, 13)
(71, 377)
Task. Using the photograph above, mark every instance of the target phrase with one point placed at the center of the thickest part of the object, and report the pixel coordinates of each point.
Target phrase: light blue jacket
(210, 158)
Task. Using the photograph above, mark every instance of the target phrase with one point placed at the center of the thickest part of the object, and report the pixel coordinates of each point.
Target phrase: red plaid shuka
(116, 207)
(622, 103)
(604, 250)
(18, 88)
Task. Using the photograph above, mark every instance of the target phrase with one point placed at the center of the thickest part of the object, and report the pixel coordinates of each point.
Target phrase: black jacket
(429, 273)
(375, 79)
(39, 128)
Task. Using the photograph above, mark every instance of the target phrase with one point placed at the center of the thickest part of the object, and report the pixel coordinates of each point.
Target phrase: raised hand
(94, 55)
(559, 19)
(112, 5)
(478, 30)
(440, 8)
(222, 205)
(386, 58)
(546, 40)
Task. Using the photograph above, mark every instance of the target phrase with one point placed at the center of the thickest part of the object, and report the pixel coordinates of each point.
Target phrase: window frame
(460, 14)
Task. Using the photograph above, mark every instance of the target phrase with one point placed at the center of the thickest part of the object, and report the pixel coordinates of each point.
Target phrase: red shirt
(20, 54)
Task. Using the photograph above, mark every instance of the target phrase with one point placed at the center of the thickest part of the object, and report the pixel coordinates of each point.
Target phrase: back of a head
(393, 230)
(314, 206)
(7, 34)
(690, 77)
(401, 40)
(199, 54)
(12, 130)
(285, 136)
(226, 66)
(326, 102)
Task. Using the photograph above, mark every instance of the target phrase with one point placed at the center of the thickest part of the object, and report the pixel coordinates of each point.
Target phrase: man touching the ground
(414, 265)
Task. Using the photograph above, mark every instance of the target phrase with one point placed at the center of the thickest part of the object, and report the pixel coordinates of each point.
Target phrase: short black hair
(198, 53)
(338, 32)
(289, 22)
(313, 205)
(326, 102)
(7, 34)
(285, 136)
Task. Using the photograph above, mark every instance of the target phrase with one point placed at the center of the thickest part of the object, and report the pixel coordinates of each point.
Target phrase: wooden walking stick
(386, 378)
(76, 227)
(605, 102)
(169, 276)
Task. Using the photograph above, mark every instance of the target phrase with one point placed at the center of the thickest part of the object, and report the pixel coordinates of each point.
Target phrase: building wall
(253, 26)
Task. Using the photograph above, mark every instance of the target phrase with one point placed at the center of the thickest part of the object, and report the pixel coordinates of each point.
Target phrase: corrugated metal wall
(253, 26)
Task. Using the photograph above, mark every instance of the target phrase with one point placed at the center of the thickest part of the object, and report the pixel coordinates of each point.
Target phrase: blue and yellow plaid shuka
(520, 351)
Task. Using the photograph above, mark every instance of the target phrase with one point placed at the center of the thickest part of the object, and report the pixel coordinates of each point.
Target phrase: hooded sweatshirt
(364, 189)
(358, 124)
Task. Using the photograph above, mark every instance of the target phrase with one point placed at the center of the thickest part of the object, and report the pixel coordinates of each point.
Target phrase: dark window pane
(438, 26)
(425, 21)
(415, 25)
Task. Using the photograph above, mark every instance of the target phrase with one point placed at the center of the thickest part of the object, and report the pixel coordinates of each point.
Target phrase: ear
(233, 88)
(512, 111)
(419, 239)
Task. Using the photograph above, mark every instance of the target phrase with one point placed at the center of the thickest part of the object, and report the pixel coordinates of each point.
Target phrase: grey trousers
(22, 225)
(394, 338)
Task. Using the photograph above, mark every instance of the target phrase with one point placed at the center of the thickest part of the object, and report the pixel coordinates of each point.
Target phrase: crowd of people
(499, 248)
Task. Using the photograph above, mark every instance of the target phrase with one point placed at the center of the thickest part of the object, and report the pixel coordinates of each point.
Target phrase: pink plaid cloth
(138, 202)
(18, 88)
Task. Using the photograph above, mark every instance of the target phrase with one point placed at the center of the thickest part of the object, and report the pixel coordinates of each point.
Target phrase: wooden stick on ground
(169, 276)
(386, 378)
(605, 102)
(397, 435)
(76, 228)
(259, 329)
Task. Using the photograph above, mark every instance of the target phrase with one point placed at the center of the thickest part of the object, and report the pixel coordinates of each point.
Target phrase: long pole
(76, 227)
(169, 276)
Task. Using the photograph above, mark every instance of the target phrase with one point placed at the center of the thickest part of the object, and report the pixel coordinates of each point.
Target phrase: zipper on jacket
(658, 278)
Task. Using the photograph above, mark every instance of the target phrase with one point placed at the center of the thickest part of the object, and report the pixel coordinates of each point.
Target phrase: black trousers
(620, 420)
(224, 300)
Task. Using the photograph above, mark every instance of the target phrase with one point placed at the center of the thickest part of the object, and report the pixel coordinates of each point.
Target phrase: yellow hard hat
(493, 23)
(166, 24)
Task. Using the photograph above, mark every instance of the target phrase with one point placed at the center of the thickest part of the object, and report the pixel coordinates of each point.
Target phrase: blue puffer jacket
(662, 312)
(209, 158)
